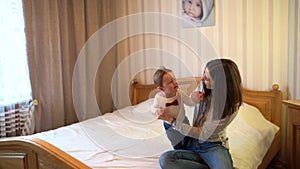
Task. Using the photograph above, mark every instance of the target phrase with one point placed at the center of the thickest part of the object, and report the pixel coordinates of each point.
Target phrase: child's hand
(163, 114)
(201, 95)
(197, 96)
(159, 111)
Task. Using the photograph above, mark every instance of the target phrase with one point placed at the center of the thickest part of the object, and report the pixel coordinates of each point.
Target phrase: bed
(131, 137)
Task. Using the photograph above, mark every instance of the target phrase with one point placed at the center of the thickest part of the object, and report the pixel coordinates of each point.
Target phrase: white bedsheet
(132, 138)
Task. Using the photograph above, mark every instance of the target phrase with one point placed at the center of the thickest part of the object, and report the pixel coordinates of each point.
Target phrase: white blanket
(132, 138)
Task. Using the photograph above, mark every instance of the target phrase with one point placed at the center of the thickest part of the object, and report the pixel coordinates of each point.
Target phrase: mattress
(132, 138)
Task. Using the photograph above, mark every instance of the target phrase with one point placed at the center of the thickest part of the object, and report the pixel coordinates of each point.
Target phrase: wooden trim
(37, 154)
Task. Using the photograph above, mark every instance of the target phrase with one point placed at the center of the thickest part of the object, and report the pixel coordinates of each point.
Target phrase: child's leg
(175, 137)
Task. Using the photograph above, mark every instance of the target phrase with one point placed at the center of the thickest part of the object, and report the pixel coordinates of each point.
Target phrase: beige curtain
(56, 31)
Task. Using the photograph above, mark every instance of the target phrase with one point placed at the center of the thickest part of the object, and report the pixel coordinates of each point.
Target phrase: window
(16, 117)
(14, 75)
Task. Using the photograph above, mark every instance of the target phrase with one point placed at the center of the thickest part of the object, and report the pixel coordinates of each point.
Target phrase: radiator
(19, 121)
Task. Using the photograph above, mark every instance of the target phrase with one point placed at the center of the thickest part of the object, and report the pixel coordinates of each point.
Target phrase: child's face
(193, 8)
(170, 85)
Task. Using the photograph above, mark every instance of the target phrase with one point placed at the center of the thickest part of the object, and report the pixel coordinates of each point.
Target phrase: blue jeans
(197, 156)
(177, 139)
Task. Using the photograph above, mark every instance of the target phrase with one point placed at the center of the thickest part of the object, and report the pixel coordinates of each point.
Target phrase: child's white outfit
(175, 106)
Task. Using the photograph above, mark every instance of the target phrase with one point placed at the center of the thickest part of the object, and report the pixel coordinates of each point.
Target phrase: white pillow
(250, 136)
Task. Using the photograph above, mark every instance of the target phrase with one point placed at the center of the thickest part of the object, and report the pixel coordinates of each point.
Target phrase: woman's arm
(194, 98)
(208, 128)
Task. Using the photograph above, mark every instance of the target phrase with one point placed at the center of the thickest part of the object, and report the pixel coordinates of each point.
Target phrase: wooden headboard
(268, 102)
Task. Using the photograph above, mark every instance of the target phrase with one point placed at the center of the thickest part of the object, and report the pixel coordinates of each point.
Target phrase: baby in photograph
(198, 13)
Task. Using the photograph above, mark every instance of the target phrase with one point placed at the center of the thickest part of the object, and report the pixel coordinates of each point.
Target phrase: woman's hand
(164, 114)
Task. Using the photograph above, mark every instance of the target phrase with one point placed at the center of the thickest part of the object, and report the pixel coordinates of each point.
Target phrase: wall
(294, 52)
(253, 33)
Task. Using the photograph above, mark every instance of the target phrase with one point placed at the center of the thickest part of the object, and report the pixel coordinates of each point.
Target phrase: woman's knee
(181, 159)
(218, 159)
(165, 158)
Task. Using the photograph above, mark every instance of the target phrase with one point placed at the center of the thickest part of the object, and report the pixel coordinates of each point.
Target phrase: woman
(207, 144)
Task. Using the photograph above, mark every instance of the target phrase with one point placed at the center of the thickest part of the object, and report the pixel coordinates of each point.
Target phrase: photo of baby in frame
(198, 13)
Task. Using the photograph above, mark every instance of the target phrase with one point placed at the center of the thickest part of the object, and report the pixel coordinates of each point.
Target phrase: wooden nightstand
(293, 133)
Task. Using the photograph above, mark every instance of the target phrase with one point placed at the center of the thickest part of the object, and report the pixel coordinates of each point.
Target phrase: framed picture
(198, 13)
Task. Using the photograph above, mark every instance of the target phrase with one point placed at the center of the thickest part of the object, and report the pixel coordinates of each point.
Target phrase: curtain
(14, 77)
(15, 89)
(56, 32)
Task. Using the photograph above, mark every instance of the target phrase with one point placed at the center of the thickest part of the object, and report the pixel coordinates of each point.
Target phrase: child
(170, 98)
(198, 12)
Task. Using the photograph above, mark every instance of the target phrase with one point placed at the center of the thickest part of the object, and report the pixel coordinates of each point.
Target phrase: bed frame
(32, 153)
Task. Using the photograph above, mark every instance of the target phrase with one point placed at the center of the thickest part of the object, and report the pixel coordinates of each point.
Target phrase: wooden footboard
(33, 153)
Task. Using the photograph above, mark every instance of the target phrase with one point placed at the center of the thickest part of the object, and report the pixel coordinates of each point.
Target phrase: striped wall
(253, 33)
(294, 50)
(261, 36)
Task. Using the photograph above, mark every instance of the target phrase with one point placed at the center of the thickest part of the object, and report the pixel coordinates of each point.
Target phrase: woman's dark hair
(227, 92)
(158, 76)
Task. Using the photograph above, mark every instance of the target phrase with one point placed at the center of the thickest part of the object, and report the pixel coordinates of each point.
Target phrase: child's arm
(159, 110)
(197, 96)
(156, 108)
(193, 99)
